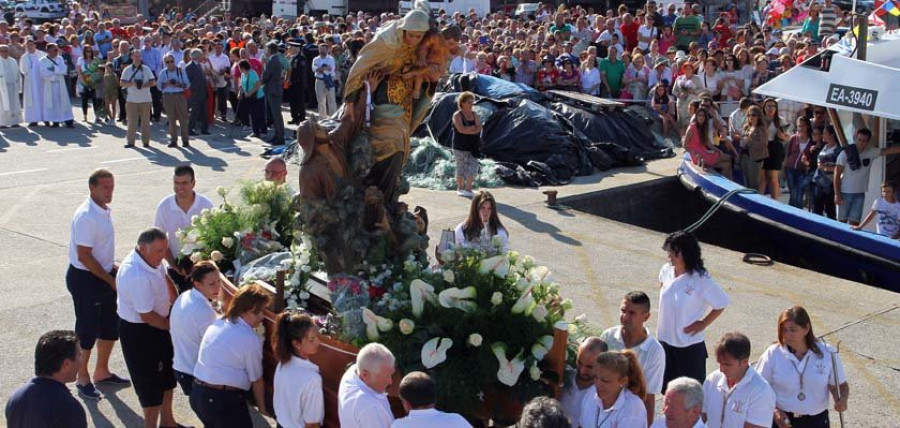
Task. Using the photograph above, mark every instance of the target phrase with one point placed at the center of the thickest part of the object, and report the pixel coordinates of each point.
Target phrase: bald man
(583, 379)
(276, 170)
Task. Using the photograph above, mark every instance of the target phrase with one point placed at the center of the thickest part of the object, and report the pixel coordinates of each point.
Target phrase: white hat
(773, 51)
(680, 55)
(415, 20)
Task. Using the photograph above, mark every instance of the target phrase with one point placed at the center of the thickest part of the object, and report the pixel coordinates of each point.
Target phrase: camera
(138, 83)
(173, 82)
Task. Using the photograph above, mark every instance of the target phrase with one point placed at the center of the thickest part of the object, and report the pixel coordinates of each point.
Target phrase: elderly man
(10, 86)
(276, 170)
(583, 379)
(119, 63)
(418, 394)
(747, 396)
(33, 91)
(145, 297)
(198, 100)
(362, 399)
(172, 84)
(682, 405)
(137, 78)
(272, 80)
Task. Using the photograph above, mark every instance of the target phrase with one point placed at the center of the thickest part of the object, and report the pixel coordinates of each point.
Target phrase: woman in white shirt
(482, 227)
(230, 363)
(803, 371)
(297, 398)
(590, 76)
(191, 315)
(686, 293)
(619, 391)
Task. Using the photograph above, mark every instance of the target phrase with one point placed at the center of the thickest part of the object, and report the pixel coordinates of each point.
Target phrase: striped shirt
(827, 22)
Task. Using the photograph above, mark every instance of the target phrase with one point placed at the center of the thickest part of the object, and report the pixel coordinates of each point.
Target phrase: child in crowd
(435, 52)
(466, 142)
(110, 93)
(888, 211)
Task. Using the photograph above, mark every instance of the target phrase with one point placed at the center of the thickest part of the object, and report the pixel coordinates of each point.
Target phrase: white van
(481, 7)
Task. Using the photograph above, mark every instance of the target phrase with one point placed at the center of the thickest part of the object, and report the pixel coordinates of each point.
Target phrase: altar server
(57, 105)
(191, 315)
(145, 297)
(229, 363)
(33, 91)
(736, 396)
(10, 86)
(297, 399)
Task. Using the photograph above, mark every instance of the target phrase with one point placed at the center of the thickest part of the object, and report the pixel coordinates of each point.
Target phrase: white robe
(57, 105)
(10, 85)
(33, 93)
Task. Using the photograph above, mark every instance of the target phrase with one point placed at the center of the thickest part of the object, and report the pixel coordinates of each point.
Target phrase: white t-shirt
(780, 367)
(857, 181)
(461, 65)
(627, 411)
(650, 355)
(460, 237)
(571, 398)
(650, 33)
(297, 396)
(171, 218)
(220, 63)
(141, 289)
(431, 418)
(660, 422)
(684, 300)
(328, 61)
(230, 354)
(360, 406)
(189, 318)
(92, 227)
(751, 401)
(590, 78)
(887, 216)
(131, 74)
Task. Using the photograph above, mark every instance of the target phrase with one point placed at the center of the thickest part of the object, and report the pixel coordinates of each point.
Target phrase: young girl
(297, 396)
(110, 93)
(466, 142)
(659, 102)
(667, 39)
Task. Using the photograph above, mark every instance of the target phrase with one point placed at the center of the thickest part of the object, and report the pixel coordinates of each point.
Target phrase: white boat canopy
(868, 87)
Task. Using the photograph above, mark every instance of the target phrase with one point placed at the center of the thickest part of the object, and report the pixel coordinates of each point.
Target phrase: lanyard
(599, 412)
(801, 396)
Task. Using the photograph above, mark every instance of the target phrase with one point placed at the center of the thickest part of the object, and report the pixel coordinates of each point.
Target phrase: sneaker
(173, 144)
(114, 379)
(460, 193)
(468, 194)
(88, 392)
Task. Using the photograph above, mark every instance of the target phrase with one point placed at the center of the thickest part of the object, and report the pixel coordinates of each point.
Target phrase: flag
(891, 7)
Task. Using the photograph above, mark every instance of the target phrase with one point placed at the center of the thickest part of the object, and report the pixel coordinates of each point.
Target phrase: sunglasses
(752, 115)
(169, 62)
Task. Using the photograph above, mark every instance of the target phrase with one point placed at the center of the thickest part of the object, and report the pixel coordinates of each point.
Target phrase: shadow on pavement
(530, 222)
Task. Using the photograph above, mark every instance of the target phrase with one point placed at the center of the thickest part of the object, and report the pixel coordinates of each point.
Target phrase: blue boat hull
(838, 250)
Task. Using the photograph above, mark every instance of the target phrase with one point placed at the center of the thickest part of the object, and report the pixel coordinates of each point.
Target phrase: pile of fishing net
(431, 166)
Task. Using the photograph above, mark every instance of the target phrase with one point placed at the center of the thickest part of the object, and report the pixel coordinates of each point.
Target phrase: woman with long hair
(797, 163)
(90, 78)
(776, 137)
(823, 179)
(482, 225)
(754, 147)
(687, 292)
(618, 396)
(802, 370)
(297, 397)
(698, 143)
(661, 105)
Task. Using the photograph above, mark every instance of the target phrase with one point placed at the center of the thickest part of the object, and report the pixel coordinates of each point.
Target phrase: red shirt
(725, 33)
(120, 33)
(630, 32)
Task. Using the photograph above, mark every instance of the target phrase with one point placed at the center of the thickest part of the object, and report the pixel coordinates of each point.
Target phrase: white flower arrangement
(406, 326)
(475, 340)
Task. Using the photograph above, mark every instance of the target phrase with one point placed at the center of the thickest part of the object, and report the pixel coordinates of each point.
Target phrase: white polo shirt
(627, 411)
(571, 398)
(191, 315)
(684, 300)
(230, 354)
(298, 398)
(649, 352)
(780, 367)
(750, 401)
(431, 418)
(171, 218)
(141, 289)
(660, 422)
(360, 406)
(92, 227)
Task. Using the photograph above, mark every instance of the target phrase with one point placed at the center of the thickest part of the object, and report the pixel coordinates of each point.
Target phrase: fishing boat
(859, 83)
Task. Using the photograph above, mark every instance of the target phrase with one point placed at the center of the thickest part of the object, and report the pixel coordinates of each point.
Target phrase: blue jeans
(797, 182)
(852, 208)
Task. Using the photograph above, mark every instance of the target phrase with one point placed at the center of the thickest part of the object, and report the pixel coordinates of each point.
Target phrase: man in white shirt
(747, 399)
(682, 405)
(463, 62)
(56, 102)
(582, 380)
(174, 214)
(418, 394)
(191, 314)
(323, 69)
(850, 184)
(91, 281)
(221, 69)
(362, 399)
(137, 78)
(145, 297)
(633, 335)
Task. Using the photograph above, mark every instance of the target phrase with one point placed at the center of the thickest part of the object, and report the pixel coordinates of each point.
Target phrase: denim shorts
(852, 207)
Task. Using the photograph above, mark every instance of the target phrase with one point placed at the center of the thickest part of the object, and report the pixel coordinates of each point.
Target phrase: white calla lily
(420, 292)
(458, 298)
(498, 265)
(375, 323)
(525, 303)
(435, 350)
(510, 370)
(538, 273)
(540, 349)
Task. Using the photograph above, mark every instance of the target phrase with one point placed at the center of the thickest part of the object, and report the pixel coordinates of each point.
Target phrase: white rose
(449, 276)
(221, 191)
(581, 318)
(448, 255)
(216, 256)
(497, 241)
(475, 339)
(496, 298)
(535, 372)
(303, 295)
(407, 325)
(196, 257)
(306, 269)
(227, 242)
(539, 313)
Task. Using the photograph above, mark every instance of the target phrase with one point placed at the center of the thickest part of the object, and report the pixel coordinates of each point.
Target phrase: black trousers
(156, 108)
(90, 95)
(235, 104)
(122, 116)
(222, 102)
(273, 103)
(297, 99)
(220, 408)
(198, 115)
(148, 355)
(689, 361)
(256, 107)
(814, 421)
(186, 381)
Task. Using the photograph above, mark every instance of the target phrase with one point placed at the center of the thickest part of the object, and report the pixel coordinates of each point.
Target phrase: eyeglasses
(169, 62)
(752, 115)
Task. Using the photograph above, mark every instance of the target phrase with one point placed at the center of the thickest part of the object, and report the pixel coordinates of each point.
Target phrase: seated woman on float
(482, 229)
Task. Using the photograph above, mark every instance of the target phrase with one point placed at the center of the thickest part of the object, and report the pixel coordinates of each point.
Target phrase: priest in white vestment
(57, 105)
(33, 92)
(10, 84)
